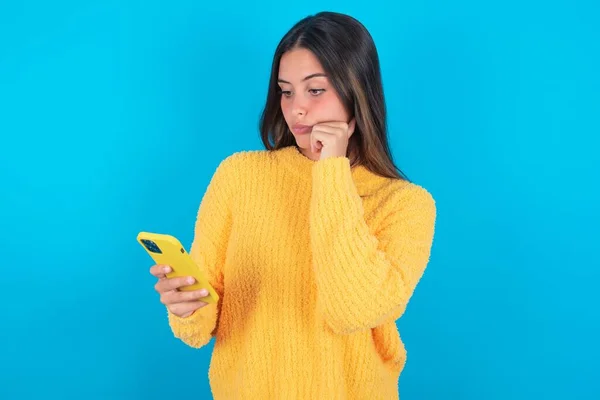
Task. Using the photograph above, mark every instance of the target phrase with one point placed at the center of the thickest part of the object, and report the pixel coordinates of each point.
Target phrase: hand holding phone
(182, 285)
(181, 303)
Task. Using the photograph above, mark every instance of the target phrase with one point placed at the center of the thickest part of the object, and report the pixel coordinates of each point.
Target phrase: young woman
(315, 244)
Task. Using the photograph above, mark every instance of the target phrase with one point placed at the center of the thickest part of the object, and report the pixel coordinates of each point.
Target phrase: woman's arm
(365, 279)
(211, 236)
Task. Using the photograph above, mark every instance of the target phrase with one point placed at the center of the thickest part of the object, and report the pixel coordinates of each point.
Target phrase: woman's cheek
(328, 107)
(285, 109)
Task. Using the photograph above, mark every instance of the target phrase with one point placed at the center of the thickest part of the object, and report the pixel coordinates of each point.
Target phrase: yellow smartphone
(167, 250)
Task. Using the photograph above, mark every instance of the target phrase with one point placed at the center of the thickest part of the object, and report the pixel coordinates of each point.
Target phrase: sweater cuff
(334, 189)
(334, 172)
(193, 319)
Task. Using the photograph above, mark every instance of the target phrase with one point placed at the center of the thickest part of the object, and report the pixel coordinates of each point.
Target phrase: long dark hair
(349, 57)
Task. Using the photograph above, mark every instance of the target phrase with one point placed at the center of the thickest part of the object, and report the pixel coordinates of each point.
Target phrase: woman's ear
(351, 127)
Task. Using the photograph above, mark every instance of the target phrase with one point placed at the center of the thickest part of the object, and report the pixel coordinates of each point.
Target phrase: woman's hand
(331, 138)
(182, 304)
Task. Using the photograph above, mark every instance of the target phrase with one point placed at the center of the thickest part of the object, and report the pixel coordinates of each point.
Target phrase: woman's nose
(299, 107)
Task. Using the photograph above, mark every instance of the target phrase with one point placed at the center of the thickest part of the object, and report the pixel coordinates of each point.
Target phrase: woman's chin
(303, 141)
(305, 149)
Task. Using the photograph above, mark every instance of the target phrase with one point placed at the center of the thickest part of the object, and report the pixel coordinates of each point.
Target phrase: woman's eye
(286, 93)
(316, 92)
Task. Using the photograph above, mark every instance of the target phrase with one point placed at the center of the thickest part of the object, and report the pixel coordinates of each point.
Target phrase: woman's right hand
(182, 304)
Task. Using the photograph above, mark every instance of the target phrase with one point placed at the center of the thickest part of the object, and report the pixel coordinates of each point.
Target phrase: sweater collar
(301, 166)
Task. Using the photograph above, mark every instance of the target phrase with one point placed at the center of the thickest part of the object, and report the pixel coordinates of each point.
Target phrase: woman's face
(307, 97)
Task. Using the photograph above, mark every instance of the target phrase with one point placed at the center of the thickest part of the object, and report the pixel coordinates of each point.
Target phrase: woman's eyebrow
(306, 78)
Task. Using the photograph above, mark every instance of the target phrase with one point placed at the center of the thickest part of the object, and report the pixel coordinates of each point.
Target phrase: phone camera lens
(151, 246)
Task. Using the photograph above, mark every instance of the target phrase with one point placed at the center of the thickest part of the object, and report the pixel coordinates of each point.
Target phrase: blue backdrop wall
(114, 115)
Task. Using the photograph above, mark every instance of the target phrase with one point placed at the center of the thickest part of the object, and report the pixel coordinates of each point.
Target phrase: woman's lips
(301, 129)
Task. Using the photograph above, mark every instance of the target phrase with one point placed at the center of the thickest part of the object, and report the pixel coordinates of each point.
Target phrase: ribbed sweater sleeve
(211, 234)
(366, 278)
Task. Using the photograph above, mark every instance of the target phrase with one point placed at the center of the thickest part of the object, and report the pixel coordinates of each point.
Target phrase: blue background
(113, 117)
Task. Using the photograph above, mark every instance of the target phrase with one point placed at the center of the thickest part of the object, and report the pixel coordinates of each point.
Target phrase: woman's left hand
(331, 138)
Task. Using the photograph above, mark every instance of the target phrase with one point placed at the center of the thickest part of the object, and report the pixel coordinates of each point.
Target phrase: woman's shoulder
(411, 195)
(398, 192)
(245, 160)
(248, 157)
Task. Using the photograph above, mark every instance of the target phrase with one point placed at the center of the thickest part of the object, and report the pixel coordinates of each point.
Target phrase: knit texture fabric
(314, 262)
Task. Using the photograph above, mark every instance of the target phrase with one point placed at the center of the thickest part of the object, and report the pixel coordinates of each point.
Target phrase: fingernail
(190, 280)
(166, 269)
(203, 292)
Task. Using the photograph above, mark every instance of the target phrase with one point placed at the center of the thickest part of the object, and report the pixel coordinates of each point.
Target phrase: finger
(334, 124)
(166, 285)
(338, 132)
(184, 308)
(319, 139)
(331, 129)
(159, 270)
(315, 142)
(174, 296)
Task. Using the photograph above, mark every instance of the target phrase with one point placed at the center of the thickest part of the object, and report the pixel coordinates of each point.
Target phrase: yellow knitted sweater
(314, 262)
